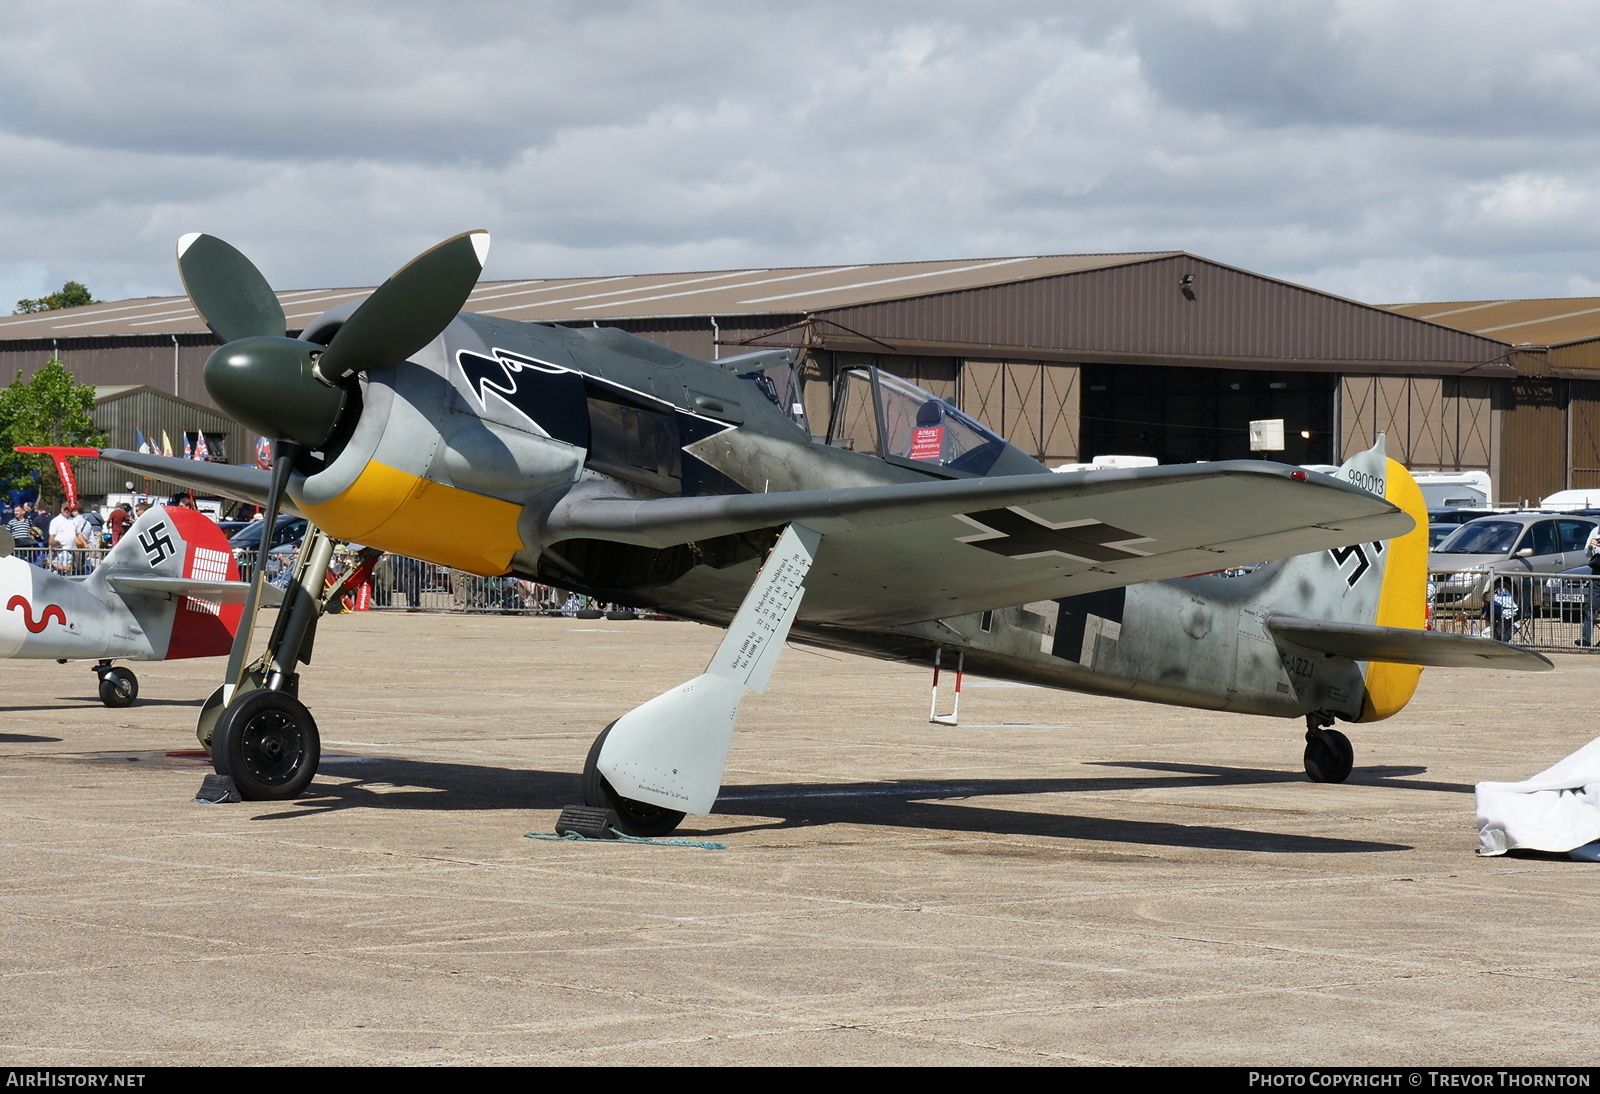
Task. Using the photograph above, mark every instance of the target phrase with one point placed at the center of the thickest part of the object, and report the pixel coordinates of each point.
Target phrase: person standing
(64, 539)
(1591, 596)
(21, 531)
(119, 520)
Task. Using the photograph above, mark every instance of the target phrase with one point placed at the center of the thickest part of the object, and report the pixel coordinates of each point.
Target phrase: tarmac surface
(1062, 879)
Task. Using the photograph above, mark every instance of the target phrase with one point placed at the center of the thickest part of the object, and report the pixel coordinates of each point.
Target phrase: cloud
(1384, 152)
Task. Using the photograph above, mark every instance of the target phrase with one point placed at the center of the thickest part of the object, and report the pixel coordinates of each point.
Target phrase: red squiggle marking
(44, 616)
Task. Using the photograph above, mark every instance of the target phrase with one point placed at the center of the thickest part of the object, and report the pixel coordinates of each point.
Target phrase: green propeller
(294, 391)
(409, 310)
(227, 290)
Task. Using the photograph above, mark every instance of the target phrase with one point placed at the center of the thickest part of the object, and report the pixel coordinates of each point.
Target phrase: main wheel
(1329, 756)
(267, 742)
(118, 687)
(634, 818)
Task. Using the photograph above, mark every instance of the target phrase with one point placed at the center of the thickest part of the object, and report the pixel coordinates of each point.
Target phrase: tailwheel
(1329, 756)
(634, 818)
(267, 742)
(118, 687)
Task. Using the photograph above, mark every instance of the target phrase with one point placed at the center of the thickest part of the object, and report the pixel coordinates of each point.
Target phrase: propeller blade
(282, 464)
(407, 311)
(227, 290)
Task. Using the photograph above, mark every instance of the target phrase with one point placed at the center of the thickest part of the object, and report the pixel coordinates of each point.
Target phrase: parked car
(1442, 522)
(1567, 593)
(289, 531)
(1496, 550)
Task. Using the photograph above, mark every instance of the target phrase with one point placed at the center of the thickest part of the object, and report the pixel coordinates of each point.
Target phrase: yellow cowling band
(397, 511)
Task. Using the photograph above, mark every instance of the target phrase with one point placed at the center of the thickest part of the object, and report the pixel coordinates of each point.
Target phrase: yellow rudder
(1401, 599)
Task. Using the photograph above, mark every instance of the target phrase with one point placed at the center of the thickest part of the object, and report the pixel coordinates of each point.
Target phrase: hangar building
(1069, 356)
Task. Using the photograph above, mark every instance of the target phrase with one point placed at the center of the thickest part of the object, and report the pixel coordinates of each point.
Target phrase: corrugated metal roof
(718, 292)
(1544, 322)
(1165, 310)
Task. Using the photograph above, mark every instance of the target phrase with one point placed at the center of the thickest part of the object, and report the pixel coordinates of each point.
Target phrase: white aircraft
(169, 588)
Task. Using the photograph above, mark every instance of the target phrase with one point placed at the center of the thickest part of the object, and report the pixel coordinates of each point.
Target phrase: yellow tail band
(1402, 598)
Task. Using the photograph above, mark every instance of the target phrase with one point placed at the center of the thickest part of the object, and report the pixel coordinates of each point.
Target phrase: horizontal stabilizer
(225, 592)
(1400, 646)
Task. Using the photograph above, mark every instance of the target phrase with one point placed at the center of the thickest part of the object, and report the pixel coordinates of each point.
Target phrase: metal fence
(72, 563)
(408, 584)
(1540, 611)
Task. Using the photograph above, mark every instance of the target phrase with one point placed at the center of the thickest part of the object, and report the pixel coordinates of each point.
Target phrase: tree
(72, 295)
(52, 408)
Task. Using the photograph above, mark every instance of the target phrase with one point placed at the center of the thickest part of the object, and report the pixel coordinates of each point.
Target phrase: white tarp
(1556, 810)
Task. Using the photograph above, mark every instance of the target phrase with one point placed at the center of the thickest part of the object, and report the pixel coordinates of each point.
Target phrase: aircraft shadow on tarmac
(94, 703)
(932, 805)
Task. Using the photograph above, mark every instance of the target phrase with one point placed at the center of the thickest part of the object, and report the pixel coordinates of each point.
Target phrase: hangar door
(1183, 415)
(1430, 423)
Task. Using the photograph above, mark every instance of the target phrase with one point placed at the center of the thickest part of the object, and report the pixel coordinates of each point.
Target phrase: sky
(1383, 150)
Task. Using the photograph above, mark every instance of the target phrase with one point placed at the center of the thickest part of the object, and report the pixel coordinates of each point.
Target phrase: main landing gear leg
(665, 758)
(1329, 754)
(256, 728)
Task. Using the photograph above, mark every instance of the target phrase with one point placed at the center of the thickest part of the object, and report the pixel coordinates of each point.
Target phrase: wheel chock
(588, 821)
(217, 790)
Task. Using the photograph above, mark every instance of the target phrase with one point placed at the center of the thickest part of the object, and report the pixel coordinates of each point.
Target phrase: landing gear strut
(1329, 754)
(634, 818)
(256, 728)
(119, 687)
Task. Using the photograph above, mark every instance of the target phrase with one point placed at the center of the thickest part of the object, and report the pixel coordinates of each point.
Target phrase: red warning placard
(927, 443)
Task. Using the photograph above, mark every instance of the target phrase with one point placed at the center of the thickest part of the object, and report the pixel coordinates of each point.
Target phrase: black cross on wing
(1017, 533)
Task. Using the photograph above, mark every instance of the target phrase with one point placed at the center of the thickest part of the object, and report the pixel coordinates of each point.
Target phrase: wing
(1397, 645)
(229, 480)
(909, 552)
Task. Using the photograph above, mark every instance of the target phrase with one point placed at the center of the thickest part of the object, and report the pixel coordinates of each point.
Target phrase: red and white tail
(175, 570)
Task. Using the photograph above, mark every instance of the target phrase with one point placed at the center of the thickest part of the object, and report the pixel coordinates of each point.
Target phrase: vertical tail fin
(173, 542)
(1382, 583)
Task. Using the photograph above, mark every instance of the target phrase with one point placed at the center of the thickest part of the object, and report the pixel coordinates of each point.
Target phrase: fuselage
(458, 455)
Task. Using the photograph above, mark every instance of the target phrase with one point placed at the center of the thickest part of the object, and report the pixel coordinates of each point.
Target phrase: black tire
(634, 818)
(267, 742)
(1330, 756)
(118, 688)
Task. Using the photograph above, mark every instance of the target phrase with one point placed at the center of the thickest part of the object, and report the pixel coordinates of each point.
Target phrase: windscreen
(1484, 537)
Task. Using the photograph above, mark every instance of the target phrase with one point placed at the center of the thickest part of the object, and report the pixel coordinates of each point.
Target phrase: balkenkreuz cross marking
(1017, 533)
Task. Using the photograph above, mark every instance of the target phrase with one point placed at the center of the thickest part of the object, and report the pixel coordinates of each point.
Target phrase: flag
(142, 443)
(201, 451)
(166, 444)
(188, 448)
(263, 452)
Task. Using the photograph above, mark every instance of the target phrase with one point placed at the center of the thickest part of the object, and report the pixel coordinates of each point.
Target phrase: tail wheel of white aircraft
(118, 687)
(267, 742)
(634, 818)
(1330, 756)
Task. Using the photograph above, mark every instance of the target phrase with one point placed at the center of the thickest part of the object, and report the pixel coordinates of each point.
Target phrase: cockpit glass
(780, 386)
(915, 424)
